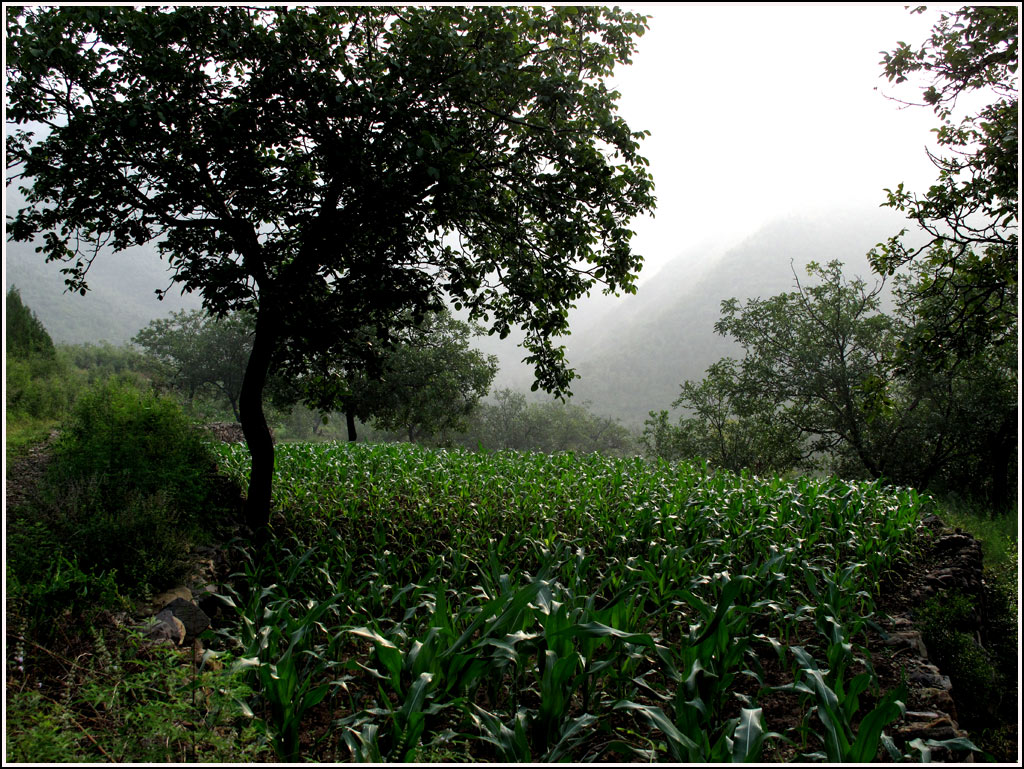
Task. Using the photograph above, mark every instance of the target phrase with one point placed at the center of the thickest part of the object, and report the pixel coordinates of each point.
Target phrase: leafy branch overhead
(967, 268)
(971, 54)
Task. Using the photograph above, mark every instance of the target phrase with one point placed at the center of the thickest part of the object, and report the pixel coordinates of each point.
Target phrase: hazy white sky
(761, 111)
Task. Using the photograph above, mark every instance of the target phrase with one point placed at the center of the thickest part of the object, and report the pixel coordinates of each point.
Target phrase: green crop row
(530, 607)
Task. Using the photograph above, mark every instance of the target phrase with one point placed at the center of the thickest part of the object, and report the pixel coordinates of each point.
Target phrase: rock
(192, 618)
(921, 715)
(937, 699)
(907, 639)
(226, 432)
(941, 728)
(928, 675)
(166, 628)
(206, 597)
(230, 432)
(161, 600)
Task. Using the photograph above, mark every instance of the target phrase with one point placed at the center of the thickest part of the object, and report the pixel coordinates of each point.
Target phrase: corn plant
(836, 706)
(278, 634)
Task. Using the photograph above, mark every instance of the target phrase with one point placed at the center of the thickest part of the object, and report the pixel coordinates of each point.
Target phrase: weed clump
(130, 488)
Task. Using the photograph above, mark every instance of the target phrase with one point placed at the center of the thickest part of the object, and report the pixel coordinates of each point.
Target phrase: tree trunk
(254, 426)
(350, 421)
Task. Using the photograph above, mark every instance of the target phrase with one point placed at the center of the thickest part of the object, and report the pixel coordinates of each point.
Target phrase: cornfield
(507, 606)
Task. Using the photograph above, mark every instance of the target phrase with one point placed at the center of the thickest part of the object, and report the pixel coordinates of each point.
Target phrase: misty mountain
(120, 301)
(631, 352)
(634, 357)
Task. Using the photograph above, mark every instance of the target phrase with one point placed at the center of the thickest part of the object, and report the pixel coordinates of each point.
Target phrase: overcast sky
(762, 111)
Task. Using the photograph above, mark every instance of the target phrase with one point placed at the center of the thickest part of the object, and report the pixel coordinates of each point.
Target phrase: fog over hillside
(632, 353)
(120, 300)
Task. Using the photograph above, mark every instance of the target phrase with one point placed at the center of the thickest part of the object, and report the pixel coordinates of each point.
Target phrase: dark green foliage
(143, 705)
(197, 354)
(431, 382)
(827, 379)
(965, 294)
(972, 51)
(102, 360)
(45, 584)
(726, 425)
(512, 422)
(423, 382)
(128, 440)
(38, 388)
(958, 359)
(129, 488)
(26, 336)
(950, 627)
(34, 376)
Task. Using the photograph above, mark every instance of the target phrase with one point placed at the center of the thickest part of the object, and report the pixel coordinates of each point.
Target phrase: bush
(38, 388)
(948, 625)
(49, 585)
(131, 486)
(131, 703)
(133, 442)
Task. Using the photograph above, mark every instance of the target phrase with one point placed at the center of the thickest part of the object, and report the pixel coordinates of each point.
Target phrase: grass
(998, 534)
(128, 702)
(23, 433)
(985, 677)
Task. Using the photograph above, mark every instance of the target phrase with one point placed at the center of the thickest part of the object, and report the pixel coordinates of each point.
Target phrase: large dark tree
(334, 168)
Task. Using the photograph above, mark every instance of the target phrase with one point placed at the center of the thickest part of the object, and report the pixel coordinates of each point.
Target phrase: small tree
(428, 383)
(333, 168)
(822, 355)
(198, 353)
(727, 425)
(826, 377)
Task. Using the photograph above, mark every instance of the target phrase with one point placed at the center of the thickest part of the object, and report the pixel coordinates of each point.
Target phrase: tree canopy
(428, 383)
(971, 212)
(195, 352)
(971, 52)
(828, 380)
(331, 168)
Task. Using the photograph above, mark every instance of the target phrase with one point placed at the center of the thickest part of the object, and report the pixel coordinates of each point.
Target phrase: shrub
(132, 484)
(48, 585)
(130, 703)
(131, 441)
(38, 388)
(948, 623)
